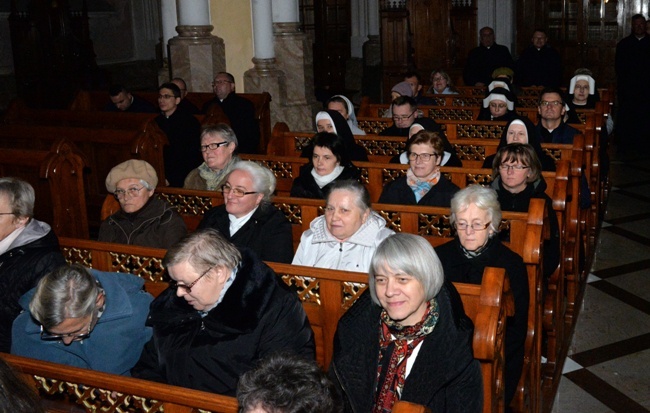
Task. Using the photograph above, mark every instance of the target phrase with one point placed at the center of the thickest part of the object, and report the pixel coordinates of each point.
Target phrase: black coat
(539, 67)
(519, 202)
(21, 268)
(183, 153)
(259, 315)
(444, 377)
(267, 232)
(482, 61)
(459, 268)
(398, 192)
(305, 186)
(241, 113)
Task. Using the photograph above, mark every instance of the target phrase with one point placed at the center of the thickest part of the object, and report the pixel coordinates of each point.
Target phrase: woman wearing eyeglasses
(143, 219)
(423, 183)
(224, 312)
(247, 218)
(218, 148)
(84, 318)
(476, 216)
(518, 178)
(498, 105)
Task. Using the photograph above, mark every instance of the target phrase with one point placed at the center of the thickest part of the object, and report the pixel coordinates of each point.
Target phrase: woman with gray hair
(143, 219)
(218, 147)
(84, 318)
(407, 337)
(247, 218)
(29, 249)
(476, 216)
(224, 312)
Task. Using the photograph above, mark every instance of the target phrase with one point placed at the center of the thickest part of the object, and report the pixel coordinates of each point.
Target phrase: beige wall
(232, 22)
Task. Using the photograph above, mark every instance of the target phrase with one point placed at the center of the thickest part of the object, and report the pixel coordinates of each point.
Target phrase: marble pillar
(372, 55)
(195, 54)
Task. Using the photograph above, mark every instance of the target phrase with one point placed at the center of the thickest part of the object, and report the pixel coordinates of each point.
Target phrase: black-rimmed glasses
(213, 146)
(504, 167)
(423, 156)
(47, 336)
(403, 117)
(188, 287)
(226, 189)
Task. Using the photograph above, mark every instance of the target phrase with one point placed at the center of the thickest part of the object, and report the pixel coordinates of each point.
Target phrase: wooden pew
(57, 177)
(102, 150)
(87, 100)
(326, 295)
(467, 113)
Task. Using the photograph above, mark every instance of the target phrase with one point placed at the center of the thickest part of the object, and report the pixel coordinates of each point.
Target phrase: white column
(373, 17)
(168, 21)
(262, 29)
(286, 11)
(193, 12)
(359, 27)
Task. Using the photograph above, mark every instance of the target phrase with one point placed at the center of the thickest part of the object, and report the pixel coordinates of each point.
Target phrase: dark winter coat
(459, 268)
(398, 192)
(562, 134)
(155, 225)
(31, 256)
(444, 377)
(183, 152)
(267, 232)
(305, 186)
(259, 315)
(481, 62)
(241, 113)
(539, 67)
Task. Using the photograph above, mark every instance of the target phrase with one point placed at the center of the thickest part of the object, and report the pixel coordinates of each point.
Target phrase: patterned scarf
(402, 340)
(212, 178)
(420, 187)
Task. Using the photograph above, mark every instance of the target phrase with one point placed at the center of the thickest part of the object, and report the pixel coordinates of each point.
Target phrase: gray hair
(412, 255)
(262, 177)
(221, 129)
(203, 250)
(484, 198)
(362, 196)
(20, 195)
(70, 291)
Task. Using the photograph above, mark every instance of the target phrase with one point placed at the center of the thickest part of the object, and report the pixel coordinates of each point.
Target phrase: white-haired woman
(407, 337)
(247, 218)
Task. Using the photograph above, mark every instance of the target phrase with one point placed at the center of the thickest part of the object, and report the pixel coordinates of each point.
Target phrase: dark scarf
(396, 343)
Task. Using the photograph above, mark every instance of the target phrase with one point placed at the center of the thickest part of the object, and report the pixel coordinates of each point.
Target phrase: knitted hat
(592, 83)
(403, 88)
(133, 168)
(503, 71)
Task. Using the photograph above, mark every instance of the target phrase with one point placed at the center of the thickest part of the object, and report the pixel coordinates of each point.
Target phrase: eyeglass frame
(188, 287)
(166, 96)
(465, 226)
(47, 336)
(227, 188)
(424, 156)
(133, 192)
(402, 117)
(205, 148)
(505, 167)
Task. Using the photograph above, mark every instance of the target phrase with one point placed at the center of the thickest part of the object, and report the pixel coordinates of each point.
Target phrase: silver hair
(263, 178)
(410, 254)
(203, 250)
(484, 198)
(222, 130)
(20, 195)
(70, 291)
(147, 185)
(362, 198)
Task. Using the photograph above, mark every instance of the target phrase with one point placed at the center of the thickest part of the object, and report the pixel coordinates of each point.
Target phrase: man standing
(633, 85)
(123, 101)
(539, 64)
(483, 59)
(551, 126)
(240, 112)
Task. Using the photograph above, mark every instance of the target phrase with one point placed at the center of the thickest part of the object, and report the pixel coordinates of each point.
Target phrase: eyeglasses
(188, 287)
(505, 167)
(213, 146)
(220, 82)
(423, 156)
(462, 226)
(166, 96)
(226, 189)
(553, 103)
(132, 192)
(47, 336)
(403, 117)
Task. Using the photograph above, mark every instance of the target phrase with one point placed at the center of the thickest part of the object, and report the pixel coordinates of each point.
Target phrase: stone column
(372, 55)
(195, 54)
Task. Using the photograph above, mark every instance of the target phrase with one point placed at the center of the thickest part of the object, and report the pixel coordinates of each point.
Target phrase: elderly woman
(407, 337)
(449, 157)
(143, 218)
(441, 83)
(88, 319)
(476, 216)
(423, 183)
(247, 218)
(518, 178)
(218, 145)
(224, 312)
(498, 105)
(342, 105)
(28, 250)
(347, 235)
(333, 122)
(522, 130)
(329, 163)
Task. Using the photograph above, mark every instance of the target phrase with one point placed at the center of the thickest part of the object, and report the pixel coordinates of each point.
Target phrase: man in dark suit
(482, 60)
(123, 101)
(240, 112)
